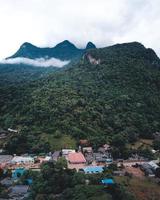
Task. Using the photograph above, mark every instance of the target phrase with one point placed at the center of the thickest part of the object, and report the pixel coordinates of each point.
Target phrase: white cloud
(40, 62)
(105, 22)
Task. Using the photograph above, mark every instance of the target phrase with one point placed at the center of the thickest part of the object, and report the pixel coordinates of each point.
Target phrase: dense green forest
(19, 74)
(119, 96)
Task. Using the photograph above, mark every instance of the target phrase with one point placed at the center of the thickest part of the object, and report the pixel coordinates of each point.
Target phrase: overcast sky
(104, 22)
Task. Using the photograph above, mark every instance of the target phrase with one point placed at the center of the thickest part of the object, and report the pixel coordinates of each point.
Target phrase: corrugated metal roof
(107, 181)
(93, 169)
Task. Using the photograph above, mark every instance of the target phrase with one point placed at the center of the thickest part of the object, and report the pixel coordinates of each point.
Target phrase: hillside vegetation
(118, 96)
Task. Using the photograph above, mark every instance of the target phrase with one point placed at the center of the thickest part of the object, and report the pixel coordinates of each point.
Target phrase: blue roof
(107, 181)
(29, 181)
(18, 171)
(93, 169)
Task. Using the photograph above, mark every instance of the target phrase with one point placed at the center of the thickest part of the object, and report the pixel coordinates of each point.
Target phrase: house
(47, 158)
(22, 160)
(89, 158)
(153, 165)
(147, 169)
(148, 172)
(83, 143)
(65, 152)
(76, 158)
(107, 181)
(7, 182)
(18, 173)
(55, 155)
(93, 169)
(19, 192)
(87, 150)
(102, 158)
(107, 147)
(5, 158)
(101, 150)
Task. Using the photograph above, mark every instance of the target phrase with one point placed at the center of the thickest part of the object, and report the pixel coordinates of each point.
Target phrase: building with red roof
(76, 158)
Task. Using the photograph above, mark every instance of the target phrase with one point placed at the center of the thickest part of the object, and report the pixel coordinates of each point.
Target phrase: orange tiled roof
(77, 157)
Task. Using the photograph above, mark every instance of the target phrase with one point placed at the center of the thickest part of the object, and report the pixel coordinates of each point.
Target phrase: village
(84, 159)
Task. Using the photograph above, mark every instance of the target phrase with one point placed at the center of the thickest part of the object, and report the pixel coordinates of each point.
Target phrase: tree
(119, 140)
(61, 163)
(156, 144)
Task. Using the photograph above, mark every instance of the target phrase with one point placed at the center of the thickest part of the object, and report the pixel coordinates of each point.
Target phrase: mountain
(63, 51)
(20, 67)
(112, 90)
(90, 45)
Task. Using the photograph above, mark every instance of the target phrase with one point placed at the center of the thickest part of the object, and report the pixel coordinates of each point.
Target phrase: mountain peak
(27, 45)
(64, 44)
(90, 45)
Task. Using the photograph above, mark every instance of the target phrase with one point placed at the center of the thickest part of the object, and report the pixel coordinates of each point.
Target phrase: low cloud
(40, 62)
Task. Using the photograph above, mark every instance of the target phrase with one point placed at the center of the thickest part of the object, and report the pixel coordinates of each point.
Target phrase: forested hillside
(114, 90)
(20, 73)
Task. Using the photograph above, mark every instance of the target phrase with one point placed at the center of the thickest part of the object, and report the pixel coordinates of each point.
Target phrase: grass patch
(57, 143)
(143, 189)
(145, 143)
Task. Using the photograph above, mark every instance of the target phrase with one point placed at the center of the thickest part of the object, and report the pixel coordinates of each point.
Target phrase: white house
(65, 152)
(22, 159)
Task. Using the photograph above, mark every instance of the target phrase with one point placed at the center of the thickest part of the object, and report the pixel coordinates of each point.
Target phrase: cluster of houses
(84, 160)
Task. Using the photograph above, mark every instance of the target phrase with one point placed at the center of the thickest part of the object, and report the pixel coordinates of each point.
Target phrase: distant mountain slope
(19, 73)
(63, 51)
(111, 90)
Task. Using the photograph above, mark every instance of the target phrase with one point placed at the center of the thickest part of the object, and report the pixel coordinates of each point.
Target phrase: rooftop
(93, 169)
(107, 181)
(77, 157)
(5, 158)
(18, 190)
